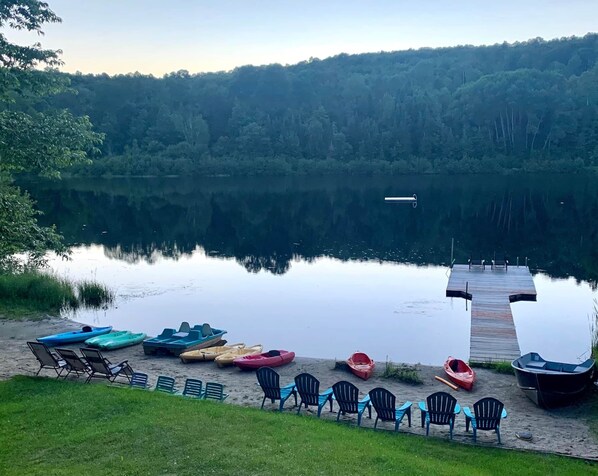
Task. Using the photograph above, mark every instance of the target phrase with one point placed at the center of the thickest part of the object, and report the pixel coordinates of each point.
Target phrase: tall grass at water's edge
(33, 293)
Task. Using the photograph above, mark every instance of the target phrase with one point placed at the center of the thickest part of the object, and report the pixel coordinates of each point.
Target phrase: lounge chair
(103, 368)
(347, 396)
(214, 391)
(384, 403)
(500, 263)
(165, 384)
(46, 358)
(474, 262)
(487, 414)
(193, 388)
(269, 380)
(441, 409)
(309, 390)
(139, 380)
(73, 362)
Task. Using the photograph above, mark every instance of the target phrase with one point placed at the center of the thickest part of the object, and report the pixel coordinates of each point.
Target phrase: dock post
(452, 247)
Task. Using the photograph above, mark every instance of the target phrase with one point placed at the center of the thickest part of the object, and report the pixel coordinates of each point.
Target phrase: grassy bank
(95, 429)
(34, 293)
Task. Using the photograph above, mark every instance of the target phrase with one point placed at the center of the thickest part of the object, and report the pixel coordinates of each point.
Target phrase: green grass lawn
(55, 427)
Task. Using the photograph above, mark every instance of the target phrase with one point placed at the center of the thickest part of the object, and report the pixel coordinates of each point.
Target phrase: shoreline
(561, 431)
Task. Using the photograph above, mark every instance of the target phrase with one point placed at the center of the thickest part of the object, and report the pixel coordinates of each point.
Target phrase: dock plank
(493, 333)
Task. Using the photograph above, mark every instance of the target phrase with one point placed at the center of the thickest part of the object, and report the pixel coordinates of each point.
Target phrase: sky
(158, 36)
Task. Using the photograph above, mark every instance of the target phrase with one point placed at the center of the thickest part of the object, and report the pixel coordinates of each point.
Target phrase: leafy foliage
(22, 240)
(403, 373)
(41, 141)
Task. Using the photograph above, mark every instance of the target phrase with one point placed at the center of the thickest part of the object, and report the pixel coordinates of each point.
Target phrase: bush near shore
(33, 292)
(99, 429)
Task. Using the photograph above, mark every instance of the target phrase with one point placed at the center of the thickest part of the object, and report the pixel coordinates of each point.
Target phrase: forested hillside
(529, 106)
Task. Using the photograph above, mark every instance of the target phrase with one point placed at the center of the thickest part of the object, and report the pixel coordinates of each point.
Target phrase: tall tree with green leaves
(33, 140)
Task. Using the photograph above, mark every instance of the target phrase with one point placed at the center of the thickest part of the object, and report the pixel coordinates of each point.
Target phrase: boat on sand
(361, 365)
(210, 353)
(74, 336)
(227, 358)
(551, 384)
(460, 373)
(272, 358)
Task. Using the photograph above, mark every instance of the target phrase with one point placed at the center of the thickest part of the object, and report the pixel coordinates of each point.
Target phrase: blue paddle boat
(187, 338)
(74, 336)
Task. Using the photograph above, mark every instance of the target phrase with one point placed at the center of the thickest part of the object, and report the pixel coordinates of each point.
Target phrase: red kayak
(459, 372)
(272, 358)
(361, 365)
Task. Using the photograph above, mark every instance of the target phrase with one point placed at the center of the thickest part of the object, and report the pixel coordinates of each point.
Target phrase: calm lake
(323, 266)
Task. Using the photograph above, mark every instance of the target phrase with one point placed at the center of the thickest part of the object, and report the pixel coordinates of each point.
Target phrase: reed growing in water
(33, 293)
(94, 294)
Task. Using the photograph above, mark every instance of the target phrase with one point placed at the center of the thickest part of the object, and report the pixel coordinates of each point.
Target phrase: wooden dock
(491, 291)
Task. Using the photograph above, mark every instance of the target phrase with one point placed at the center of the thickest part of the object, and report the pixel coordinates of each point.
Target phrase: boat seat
(180, 334)
(206, 330)
(536, 365)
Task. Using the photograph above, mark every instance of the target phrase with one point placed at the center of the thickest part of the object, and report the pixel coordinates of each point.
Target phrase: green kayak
(122, 341)
(96, 341)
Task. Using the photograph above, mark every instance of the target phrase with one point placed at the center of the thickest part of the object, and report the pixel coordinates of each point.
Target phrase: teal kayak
(124, 340)
(96, 341)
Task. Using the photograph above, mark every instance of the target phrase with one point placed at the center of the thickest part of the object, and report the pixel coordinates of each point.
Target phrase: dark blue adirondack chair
(269, 380)
(347, 396)
(193, 388)
(309, 390)
(138, 380)
(214, 391)
(384, 403)
(487, 415)
(440, 410)
(165, 384)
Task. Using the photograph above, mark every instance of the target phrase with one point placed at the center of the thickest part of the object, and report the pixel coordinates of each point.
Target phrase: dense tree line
(530, 106)
(266, 223)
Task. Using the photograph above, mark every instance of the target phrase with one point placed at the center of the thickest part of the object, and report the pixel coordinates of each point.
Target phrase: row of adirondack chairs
(440, 408)
(193, 387)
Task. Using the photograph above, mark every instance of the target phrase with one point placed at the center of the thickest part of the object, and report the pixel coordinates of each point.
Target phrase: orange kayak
(361, 365)
(459, 372)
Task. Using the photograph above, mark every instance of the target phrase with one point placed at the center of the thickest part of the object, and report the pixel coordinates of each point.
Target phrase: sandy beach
(562, 431)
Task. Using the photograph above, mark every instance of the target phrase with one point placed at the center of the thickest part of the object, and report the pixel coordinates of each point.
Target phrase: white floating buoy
(412, 199)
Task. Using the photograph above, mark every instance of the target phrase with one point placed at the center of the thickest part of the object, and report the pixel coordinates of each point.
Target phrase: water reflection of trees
(266, 223)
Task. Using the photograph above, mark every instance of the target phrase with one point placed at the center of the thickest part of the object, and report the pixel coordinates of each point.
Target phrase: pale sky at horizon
(154, 37)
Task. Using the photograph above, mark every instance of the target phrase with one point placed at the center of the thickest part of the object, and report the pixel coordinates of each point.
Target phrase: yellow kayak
(227, 358)
(209, 353)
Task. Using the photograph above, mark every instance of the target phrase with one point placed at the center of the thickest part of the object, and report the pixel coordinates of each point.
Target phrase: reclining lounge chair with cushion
(103, 368)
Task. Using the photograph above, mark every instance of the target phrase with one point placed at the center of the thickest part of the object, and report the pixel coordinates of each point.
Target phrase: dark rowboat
(460, 373)
(551, 384)
(272, 358)
(361, 365)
